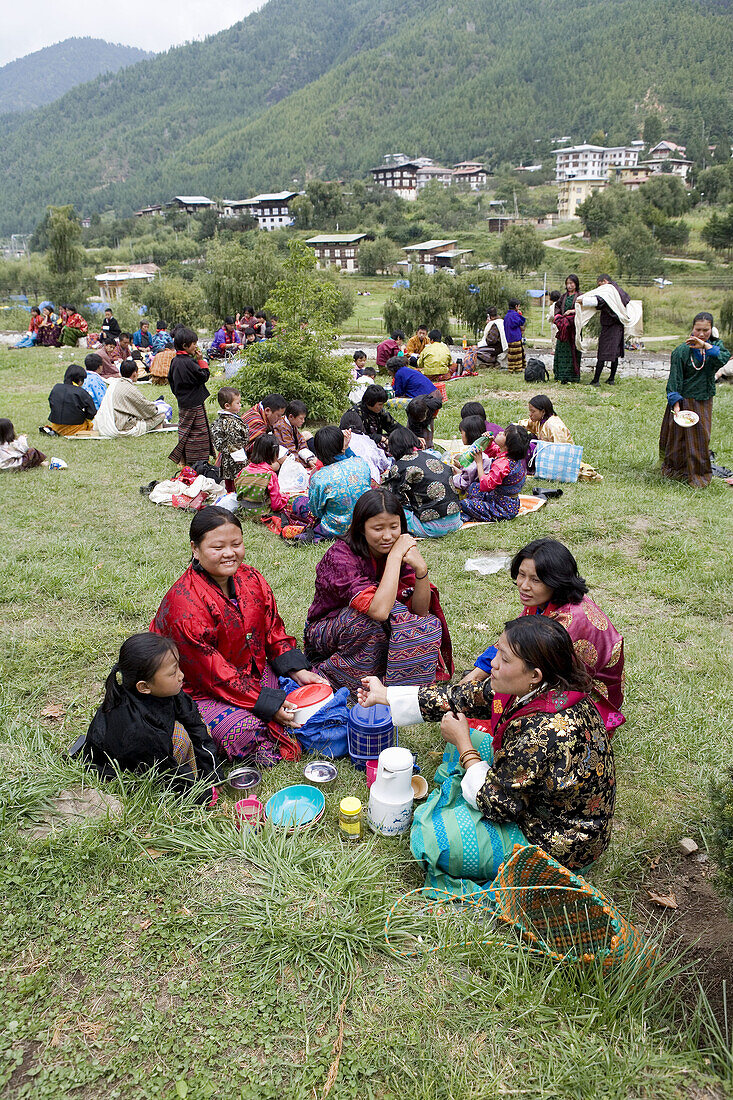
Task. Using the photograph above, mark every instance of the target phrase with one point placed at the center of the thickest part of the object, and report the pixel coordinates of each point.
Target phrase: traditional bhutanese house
(471, 173)
(114, 279)
(426, 254)
(399, 176)
(272, 210)
(149, 211)
(430, 173)
(192, 204)
(338, 249)
(452, 257)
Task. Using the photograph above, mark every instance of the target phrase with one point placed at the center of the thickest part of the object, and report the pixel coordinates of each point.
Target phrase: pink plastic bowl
(371, 771)
(250, 810)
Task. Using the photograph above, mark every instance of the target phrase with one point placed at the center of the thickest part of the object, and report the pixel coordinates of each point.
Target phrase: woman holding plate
(684, 441)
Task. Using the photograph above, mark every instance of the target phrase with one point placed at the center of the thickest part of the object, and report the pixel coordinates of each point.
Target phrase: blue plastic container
(370, 729)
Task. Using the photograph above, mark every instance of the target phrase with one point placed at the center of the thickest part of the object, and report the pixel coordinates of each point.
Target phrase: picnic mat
(96, 435)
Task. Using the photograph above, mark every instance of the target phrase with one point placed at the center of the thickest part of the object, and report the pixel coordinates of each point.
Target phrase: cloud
(139, 23)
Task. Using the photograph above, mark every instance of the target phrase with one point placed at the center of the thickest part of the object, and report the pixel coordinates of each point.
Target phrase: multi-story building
(338, 249)
(408, 177)
(591, 162)
(271, 211)
(433, 255)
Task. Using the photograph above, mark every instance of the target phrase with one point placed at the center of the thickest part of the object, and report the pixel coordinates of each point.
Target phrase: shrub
(475, 291)
(427, 300)
(726, 317)
(175, 300)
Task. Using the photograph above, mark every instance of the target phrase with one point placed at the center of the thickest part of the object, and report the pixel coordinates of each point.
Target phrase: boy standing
(230, 434)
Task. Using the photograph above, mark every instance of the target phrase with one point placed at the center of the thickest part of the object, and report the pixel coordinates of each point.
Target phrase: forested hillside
(47, 74)
(323, 87)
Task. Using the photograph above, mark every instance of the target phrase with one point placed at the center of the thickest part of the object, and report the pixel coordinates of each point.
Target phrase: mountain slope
(47, 74)
(324, 87)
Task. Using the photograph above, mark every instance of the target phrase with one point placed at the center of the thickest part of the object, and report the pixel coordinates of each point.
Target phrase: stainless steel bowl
(321, 772)
(243, 781)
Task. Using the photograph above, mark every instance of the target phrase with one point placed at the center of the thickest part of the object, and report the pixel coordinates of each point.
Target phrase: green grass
(240, 966)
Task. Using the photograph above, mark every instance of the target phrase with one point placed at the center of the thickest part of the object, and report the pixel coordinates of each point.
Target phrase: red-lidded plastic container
(308, 700)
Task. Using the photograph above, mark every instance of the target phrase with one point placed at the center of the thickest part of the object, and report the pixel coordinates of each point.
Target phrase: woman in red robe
(232, 643)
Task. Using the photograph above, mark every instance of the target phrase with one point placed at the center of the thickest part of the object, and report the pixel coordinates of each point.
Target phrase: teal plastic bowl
(296, 806)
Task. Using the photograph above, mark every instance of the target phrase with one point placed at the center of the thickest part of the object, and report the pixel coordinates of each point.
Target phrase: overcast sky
(150, 26)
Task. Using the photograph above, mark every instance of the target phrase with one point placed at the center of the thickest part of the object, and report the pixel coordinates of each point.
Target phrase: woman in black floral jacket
(537, 768)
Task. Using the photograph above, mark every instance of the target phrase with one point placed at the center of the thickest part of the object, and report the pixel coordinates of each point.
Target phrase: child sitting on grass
(258, 487)
(377, 423)
(501, 474)
(230, 434)
(421, 413)
(363, 447)
(147, 721)
(15, 454)
(365, 376)
(422, 481)
(289, 434)
(472, 427)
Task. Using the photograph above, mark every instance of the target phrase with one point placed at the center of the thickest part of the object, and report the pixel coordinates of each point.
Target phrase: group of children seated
(368, 448)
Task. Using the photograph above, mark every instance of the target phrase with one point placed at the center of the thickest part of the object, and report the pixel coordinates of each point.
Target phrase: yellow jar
(350, 822)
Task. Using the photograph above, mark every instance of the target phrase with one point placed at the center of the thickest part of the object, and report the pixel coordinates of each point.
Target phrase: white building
(408, 177)
(339, 249)
(593, 162)
(272, 211)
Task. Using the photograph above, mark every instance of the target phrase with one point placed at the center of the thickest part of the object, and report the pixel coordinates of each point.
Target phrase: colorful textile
(404, 650)
(161, 341)
(458, 848)
(258, 488)
(95, 386)
(238, 732)
(566, 363)
(161, 363)
(499, 501)
(334, 490)
(685, 452)
(225, 644)
(70, 337)
(256, 422)
(552, 772)
(424, 484)
(49, 335)
(224, 343)
(342, 574)
(433, 528)
(229, 433)
(516, 357)
(194, 437)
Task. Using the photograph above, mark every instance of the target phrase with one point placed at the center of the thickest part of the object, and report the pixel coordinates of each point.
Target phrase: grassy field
(164, 954)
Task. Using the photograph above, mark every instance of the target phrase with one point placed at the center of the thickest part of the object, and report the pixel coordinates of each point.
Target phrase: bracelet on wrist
(423, 576)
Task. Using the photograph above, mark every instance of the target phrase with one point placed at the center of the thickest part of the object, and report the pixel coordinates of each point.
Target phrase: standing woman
(566, 364)
(685, 451)
(611, 340)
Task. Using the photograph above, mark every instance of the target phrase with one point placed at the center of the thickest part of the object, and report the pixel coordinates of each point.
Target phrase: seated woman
(72, 409)
(424, 486)
(49, 329)
(335, 489)
(546, 575)
(30, 338)
(544, 424)
(73, 327)
(374, 611)
(147, 721)
(544, 775)
(495, 496)
(232, 643)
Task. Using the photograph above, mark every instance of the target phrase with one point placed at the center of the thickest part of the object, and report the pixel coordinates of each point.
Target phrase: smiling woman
(542, 774)
(232, 643)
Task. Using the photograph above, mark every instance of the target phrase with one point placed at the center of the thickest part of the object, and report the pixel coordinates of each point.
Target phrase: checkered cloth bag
(557, 461)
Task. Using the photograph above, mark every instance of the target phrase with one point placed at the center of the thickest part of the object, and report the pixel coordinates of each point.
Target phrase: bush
(475, 291)
(721, 840)
(176, 301)
(297, 366)
(427, 301)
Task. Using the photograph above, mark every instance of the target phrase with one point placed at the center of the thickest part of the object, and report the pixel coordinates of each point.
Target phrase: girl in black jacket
(147, 721)
(187, 377)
